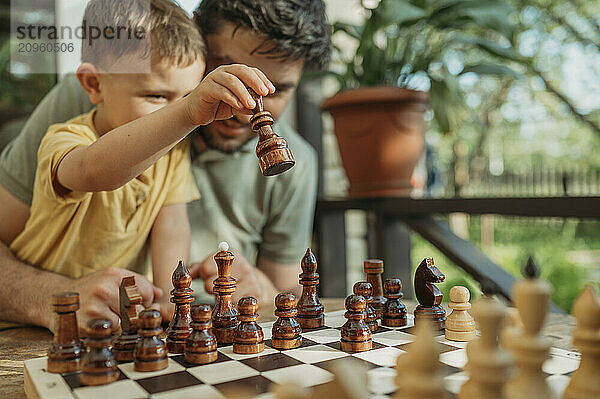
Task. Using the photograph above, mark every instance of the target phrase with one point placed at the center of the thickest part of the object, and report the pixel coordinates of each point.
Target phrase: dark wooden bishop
(129, 298)
(373, 269)
(201, 345)
(365, 290)
(181, 295)
(249, 336)
(310, 309)
(98, 365)
(65, 353)
(150, 351)
(225, 315)
(286, 330)
(356, 334)
(428, 295)
(394, 311)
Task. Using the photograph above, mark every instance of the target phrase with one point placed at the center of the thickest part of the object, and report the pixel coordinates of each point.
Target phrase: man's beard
(212, 139)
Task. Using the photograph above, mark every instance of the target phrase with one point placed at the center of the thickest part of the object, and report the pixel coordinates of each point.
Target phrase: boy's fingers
(251, 78)
(235, 86)
(229, 97)
(265, 80)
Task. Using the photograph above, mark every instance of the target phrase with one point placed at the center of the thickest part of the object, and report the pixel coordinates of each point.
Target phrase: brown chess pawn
(286, 330)
(150, 351)
(373, 269)
(129, 298)
(394, 311)
(179, 327)
(65, 353)
(201, 345)
(249, 337)
(365, 290)
(98, 365)
(428, 295)
(356, 335)
(225, 315)
(310, 309)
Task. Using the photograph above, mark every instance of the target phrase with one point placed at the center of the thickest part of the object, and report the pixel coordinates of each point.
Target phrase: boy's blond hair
(173, 34)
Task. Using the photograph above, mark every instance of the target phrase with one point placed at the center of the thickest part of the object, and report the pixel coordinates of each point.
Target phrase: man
(266, 220)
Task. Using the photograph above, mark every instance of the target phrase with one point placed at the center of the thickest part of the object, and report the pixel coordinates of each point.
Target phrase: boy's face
(225, 47)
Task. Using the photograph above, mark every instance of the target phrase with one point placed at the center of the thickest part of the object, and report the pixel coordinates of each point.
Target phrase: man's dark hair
(294, 29)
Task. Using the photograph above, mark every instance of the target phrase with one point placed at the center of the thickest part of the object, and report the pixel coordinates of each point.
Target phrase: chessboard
(309, 365)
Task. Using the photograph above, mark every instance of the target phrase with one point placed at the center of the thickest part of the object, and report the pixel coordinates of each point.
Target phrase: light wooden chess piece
(460, 325)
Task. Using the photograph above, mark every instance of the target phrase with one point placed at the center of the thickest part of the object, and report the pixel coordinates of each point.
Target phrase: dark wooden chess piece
(274, 155)
(181, 295)
(225, 315)
(356, 334)
(365, 290)
(249, 336)
(65, 353)
(310, 309)
(150, 351)
(373, 268)
(394, 311)
(129, 298)
(286, 330)
(428, 295)
(201, 345)
(98, 365)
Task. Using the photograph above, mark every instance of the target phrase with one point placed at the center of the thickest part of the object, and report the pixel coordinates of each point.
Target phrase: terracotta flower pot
(380, 133)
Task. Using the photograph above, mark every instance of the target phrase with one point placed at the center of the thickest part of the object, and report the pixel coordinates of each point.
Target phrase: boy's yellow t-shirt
(82, 232)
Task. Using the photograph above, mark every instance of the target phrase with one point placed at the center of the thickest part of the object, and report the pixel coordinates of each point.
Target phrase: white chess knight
(460, 325)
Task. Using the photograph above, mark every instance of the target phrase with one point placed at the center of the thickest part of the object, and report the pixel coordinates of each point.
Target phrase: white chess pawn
(460, 325)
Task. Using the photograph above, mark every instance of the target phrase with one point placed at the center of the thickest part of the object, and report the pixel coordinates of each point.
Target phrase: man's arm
(14, 214)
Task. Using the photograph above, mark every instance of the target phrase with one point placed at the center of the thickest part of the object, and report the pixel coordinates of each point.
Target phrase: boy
(106, 180)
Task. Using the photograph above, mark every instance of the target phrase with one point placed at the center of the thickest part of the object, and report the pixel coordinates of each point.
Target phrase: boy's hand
(223, 93)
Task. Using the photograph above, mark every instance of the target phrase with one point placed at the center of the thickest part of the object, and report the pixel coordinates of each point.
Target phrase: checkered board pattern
(308, 365)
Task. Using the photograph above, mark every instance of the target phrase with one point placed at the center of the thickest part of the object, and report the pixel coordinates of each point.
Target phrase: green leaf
(495, 49)
(351, 30)
(492, 69)
(399, 12)
(447, 102)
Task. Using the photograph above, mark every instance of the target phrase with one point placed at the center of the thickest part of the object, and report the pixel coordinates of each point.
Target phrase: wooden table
(19, 343)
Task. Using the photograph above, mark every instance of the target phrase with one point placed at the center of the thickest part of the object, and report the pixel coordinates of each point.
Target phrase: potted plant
(378, 112)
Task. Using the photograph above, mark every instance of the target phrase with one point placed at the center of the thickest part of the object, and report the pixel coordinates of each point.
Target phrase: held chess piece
(373, 268)
(225, 315)
(150, 351)
(98, 365)
(310, 309)
(274, 155)
(428, 295)
(460, 325)
(286, 330)
(65, 353)
(179, 327)
(249, 337)
(585, 383)
(394, 311)
(129, 298)
(365, 290)
(201, 345)
(356, 334)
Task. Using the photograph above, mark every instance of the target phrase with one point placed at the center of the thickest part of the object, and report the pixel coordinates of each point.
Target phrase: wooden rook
(201, 345)
(355, 333)
(394, 311)
(428, 295)
(374, 269)
(180, 326)
(98, 365)
(286, 330)
(225, 315)
(460, 325)
(310, 309)
(365, 290)
(249, 337)
(65, 353)
(129, 298)
(150, 351)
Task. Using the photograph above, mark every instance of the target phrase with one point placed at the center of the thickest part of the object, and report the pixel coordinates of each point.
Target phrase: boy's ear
(89, 78)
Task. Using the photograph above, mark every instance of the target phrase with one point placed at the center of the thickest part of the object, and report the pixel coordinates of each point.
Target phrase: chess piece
(274, 155)
(419, 371)
(129, 298)
(460, 325)
(528, 347)
(310, 309)
(249, 337)
(428, 295)
(394, 311)
(181, 295)
(98, 365)
(585, 383)
(201, 344)
(150, 351)
(349, 382)
(365, 290)
(488, 363)
(373, 268)
(65, 353)
(286, 330)
(225, 315)
(355, 333)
